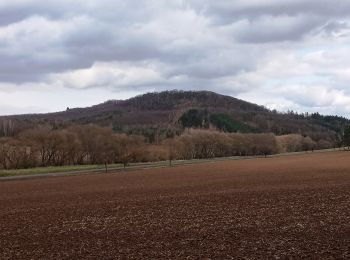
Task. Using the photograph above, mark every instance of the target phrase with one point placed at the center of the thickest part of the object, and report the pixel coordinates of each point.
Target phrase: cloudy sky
(284, 54)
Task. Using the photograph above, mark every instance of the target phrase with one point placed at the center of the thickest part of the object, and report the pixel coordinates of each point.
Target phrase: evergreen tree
(346, 136)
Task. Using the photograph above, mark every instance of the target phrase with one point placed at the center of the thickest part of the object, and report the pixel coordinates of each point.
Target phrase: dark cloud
(274, 20)
(333, 27)
(275, 29)
(227, 11)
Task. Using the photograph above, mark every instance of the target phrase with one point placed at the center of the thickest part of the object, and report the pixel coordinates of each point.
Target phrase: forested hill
(168, 113)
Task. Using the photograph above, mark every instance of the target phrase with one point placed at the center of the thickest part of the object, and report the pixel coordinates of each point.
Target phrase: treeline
(75, 145)
(91, 144)
(199, 144)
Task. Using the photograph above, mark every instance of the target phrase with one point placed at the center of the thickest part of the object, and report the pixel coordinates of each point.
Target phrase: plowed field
(282, 207)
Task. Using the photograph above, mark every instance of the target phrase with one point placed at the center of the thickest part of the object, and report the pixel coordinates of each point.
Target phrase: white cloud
(113, 75)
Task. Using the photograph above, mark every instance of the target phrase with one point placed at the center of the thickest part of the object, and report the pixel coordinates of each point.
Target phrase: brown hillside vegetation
(284, 207)
(96, 145)
(158, 115)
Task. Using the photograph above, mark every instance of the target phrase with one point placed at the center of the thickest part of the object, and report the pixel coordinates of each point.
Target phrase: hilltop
(169, 112)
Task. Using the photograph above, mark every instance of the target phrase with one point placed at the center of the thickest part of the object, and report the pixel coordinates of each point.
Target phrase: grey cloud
(223, 46)
(218, 64)
(305, 17)
(7, 17)
(112, 10)
(78, 46)
(228, 10)
(335, 27)
(275, 29)
(108, 43)
(113, 30)
(16, 11)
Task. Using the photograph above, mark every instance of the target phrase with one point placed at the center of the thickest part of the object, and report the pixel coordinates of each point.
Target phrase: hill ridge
(178, 109)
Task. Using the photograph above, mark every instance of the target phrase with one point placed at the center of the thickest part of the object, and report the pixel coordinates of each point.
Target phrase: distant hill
(169, 112)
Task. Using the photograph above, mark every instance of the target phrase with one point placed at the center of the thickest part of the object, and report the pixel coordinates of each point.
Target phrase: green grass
(54, 169)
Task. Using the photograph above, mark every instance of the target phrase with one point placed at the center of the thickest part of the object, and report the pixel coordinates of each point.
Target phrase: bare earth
(286, 207)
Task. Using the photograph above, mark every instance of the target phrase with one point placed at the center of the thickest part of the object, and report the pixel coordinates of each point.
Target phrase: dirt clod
(275, 208)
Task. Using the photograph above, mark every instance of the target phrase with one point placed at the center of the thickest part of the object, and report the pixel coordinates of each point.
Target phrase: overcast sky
(284, 54)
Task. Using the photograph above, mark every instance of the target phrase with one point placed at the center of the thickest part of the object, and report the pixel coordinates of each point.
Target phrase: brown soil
(285, 207)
